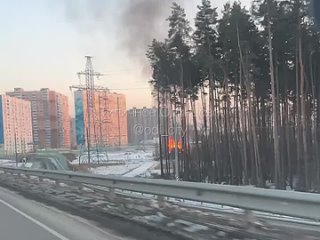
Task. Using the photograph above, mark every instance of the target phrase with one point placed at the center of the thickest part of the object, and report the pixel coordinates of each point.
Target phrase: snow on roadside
(126, 162)
(136, 163)
(126, 170)
(131, 156)
(115, 169)
(141, 170)
(7, 163)
(112, 156)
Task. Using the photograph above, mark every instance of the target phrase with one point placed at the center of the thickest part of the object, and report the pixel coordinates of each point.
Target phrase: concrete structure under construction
(15, 125)
(50, 117)
(108, 121)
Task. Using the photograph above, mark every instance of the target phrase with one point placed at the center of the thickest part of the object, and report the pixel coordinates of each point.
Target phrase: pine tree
(178, 43)
(206, 57)
(260, 71)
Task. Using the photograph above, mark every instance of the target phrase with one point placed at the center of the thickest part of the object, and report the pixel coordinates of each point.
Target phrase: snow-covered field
(132, 155)
(114, 169)
(7, 163)
(128, 170)
(131, 163)
(142, 170)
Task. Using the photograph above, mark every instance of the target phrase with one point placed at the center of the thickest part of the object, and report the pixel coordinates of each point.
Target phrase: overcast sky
(43, 43)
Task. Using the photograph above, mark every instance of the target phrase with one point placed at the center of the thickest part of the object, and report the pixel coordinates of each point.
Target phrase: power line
(119, 89)
(90, 89)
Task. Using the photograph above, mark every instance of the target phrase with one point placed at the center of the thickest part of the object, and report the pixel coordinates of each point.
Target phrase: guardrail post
(249, 218)
(21, 175)
(57, 182)
(80, 187)
(111, 194)
(161, 201)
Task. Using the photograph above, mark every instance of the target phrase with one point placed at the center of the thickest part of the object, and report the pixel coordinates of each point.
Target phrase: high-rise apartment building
(108, 121)
(15, 125)
(142, 124)
(50, 117)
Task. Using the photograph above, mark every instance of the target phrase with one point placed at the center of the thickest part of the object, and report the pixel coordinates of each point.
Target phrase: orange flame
(172, 144)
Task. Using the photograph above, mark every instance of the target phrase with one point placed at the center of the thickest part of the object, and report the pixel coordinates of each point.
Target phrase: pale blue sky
(43, 44)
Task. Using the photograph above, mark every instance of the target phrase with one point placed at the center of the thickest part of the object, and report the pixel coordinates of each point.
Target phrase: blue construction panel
(79, 118)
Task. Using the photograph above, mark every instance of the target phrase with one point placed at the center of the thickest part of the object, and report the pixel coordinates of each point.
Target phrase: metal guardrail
(295, 204)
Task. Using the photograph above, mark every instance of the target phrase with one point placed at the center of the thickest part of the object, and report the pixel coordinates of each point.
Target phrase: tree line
(254, 76)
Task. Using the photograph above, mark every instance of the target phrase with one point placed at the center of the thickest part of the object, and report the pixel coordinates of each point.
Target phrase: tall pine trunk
(159, 131)
(196, 134)
(252, 123)
(277, 170)
(303, 110)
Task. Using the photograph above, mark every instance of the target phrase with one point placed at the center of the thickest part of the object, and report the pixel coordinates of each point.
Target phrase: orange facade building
(108, 119)
(15, 125)
(50, 117)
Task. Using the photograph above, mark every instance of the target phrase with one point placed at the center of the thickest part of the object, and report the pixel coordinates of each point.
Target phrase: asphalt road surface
(24, 219)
